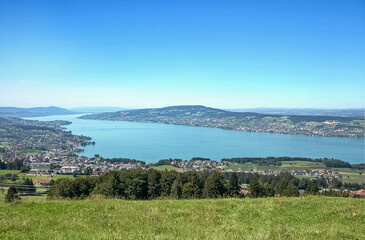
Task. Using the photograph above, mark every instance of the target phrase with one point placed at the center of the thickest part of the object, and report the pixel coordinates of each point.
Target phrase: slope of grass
(270, 218)
(35, 178)
(353, 177)
(348, 175)
(4, 172)
(286, 165)
(162, 167)
(166, 167)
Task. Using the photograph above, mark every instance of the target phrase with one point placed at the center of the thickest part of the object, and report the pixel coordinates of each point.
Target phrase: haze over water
(151, 142)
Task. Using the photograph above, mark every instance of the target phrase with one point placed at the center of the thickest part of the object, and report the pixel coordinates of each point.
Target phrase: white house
(69, 169)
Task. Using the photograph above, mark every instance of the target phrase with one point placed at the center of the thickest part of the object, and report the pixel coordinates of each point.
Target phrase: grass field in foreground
(265, 218)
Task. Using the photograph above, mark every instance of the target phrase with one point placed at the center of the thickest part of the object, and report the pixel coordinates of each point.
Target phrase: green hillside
(202, 116)
(265, 218)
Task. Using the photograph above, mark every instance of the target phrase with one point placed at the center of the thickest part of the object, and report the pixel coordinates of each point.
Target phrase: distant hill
(355, 112)
(202, 116)
(97, 109)
(33, 112)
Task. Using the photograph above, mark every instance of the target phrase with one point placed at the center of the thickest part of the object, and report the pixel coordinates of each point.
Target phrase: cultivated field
(265, 218)
(348, 175)
(35, 178)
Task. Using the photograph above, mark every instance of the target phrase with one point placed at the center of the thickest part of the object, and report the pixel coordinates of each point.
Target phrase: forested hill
(240, 121)
(33, 112)
(351, 112)
(197, 111)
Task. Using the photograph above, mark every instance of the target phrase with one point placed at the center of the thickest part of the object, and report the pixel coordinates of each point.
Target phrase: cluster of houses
(45, 168)
(223, 166)
(200, 165)
(359, 194)
(75, 164)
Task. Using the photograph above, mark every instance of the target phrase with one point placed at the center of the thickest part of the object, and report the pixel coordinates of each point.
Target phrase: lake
(151, 142)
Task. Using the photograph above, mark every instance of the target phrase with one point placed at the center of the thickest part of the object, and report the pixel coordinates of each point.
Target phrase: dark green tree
(167, 178)
(336, 183)
(14, 177)
(214, 186)
(110, 185)
(136, 184)
(88, 171)
(28, 187)
(188, 190)
(291, 191)
(196, 184)
(286, 189)
(269, 190)
(233, 186)
(176, 189)
(154, 188)
(12, 195)
(256, 189)
(303, 183)
(312, 190)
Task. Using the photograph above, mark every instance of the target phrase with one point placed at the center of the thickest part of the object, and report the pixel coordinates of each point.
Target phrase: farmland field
(4, 172)
(348, 175)
(166, 167)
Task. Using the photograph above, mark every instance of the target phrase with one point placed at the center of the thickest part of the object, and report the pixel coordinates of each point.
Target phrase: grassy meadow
(166, 167)
(4, 172)
(264, 218)
(36, 178)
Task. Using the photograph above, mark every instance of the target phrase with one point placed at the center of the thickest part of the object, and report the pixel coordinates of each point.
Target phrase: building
(69, 169)
(40, 167)
(361, 193)
(46, 182)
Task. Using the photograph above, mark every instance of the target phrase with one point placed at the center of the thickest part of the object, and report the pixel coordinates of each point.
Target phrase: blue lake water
(151, 142)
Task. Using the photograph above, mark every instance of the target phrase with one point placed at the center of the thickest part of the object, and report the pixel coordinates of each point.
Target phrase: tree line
(141, 184)
(17, 164)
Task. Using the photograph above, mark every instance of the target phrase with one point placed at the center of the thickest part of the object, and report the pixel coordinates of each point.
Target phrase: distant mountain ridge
(88, 110)
(197, 115)
(184, 111)
(353, 112)
(33, 112)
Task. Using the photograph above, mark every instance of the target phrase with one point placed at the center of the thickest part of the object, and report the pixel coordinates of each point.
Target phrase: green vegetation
(12, 195)
(140, 184)
(4, 172)
(285, 165)
(353, 176)
(162, 167)
(349, 174)
(263, 218)
(56, 177)
(30, 151)
(35, 178)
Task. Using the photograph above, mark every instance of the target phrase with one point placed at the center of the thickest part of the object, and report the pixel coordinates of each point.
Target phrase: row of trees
(152, 184)
(17, 164)
(147, 184)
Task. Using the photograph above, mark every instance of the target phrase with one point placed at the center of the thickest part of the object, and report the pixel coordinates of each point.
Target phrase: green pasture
(264, 218)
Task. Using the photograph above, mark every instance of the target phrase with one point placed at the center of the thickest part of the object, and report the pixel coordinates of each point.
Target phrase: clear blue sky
(228, 54)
